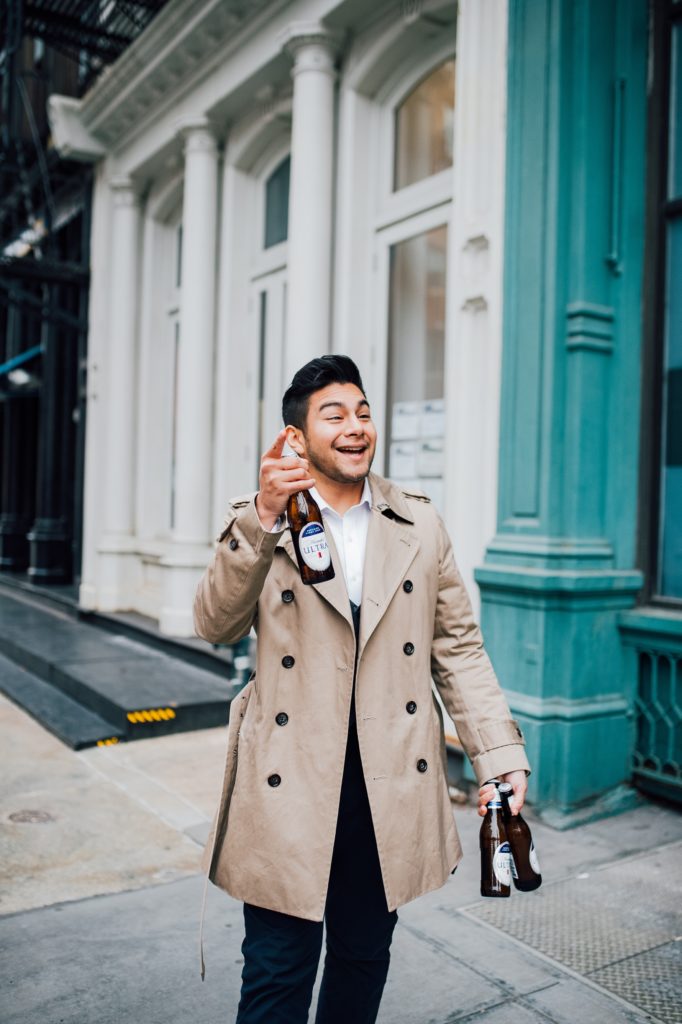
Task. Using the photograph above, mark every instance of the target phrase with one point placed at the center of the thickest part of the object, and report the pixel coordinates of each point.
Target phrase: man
(335, 803)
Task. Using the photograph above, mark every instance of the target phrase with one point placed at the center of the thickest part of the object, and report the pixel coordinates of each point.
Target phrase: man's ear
(295, 440)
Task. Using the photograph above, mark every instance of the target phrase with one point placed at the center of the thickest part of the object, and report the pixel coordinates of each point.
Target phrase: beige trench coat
(272, 845)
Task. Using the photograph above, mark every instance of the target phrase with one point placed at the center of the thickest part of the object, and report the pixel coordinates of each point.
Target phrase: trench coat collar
(392, 544)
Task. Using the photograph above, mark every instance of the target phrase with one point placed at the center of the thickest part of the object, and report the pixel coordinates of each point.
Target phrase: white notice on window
(403, 460)
(405, 420)
(433, 418)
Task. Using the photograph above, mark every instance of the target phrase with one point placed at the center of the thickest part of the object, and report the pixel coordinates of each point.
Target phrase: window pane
(416, 361)
(277, 204)
(424, 128)
(670, 560)
(675, 180)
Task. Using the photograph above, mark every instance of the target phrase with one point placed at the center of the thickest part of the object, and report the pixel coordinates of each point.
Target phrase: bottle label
(502, 864)
(533, 858)
(512, 865)
(312, 544)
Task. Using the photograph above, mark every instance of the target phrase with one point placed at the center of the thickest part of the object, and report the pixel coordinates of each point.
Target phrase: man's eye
(330, 419)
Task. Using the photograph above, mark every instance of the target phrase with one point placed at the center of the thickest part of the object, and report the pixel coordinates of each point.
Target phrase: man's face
(340, 438)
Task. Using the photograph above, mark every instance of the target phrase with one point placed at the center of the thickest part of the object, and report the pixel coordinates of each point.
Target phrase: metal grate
(620, 926)
(658, 749)
(651, 980)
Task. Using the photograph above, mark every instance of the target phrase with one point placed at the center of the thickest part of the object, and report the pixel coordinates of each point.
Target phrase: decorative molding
(590, 327)
(475, 304)
(312, 47)
(124, 191)
(185, 37)
(476, 244)
(70, 137)
(542, 709)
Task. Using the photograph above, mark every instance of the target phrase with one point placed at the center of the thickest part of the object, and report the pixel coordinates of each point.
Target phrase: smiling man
(335, 803)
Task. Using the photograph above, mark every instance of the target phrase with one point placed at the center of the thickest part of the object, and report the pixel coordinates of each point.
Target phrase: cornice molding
(185, 37)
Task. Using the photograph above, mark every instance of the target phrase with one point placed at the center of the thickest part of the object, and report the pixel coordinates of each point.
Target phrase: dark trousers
(281, 952)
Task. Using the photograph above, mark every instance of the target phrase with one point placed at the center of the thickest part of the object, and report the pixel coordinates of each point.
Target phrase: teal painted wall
(562, 564)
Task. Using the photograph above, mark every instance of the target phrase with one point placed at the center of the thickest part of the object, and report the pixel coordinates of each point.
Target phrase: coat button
(274, 780)
(421, 765)
(408, 586)
(410, 707)
(282, 718)
(288, 661)
(234, 544)
(287, 596)
(408, 648)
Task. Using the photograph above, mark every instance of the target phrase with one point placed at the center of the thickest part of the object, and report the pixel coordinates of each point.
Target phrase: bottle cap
(506, 787)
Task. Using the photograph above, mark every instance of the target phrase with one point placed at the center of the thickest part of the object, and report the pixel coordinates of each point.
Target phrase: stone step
(137, 689)
(68, 720)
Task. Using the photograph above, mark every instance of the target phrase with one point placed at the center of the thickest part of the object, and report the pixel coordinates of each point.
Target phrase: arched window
(277, 204)
(424, 128)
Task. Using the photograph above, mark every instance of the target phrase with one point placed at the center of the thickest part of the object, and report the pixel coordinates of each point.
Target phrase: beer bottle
(525, 865)
(310, 542)
(495, 855)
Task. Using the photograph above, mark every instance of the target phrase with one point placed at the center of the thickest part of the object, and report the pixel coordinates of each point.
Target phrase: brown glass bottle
(495, 856)
(310, 542)
(525, 865)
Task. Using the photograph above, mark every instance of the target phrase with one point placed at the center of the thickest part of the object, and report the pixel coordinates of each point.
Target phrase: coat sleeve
(227, 595)
(466, 680)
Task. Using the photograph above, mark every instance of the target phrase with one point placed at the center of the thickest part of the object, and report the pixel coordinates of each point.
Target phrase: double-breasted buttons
(410, 707)
(408, 648)
(274, 780)
(408, 586)
(287, 596)
(282, 718)
(422, 765)
(288, 661)
(234, 544)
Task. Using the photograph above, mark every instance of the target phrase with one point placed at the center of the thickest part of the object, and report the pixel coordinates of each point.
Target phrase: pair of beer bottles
(507, 850)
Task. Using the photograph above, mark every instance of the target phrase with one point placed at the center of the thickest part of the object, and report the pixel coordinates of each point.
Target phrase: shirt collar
(365, 499)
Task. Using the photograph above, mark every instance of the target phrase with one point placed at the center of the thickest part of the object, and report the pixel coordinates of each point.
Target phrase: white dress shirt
(350, 537)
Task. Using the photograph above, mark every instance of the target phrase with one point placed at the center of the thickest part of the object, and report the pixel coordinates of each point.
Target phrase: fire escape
(47, 46)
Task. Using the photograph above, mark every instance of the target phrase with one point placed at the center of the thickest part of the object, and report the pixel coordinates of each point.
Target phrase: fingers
(485, 795)
(280, 477)
(277, 446)
(519, 786)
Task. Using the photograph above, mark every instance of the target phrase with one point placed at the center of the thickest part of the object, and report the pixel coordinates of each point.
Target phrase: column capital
(197, 133)
(124, 191)
(312, 46)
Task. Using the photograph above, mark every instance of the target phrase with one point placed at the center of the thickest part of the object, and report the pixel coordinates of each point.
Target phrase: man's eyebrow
(342, 405)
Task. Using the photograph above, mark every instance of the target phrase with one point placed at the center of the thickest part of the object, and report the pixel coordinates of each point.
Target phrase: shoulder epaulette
(417, 495)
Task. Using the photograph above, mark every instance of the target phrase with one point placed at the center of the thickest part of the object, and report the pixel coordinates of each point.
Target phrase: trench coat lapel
(333, 591)
(392, 545)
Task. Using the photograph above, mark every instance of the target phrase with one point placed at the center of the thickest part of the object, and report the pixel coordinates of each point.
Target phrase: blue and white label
(533, 858)
(502, 864)
(313, 546)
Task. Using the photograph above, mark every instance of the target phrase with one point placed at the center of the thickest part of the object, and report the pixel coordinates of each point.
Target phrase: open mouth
(353, 449)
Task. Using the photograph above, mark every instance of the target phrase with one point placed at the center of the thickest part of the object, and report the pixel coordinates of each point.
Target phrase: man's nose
(354, 425)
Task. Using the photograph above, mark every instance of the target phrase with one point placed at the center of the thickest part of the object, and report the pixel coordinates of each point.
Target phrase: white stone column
(120, 368)
(194, 441)
(310, 198)
(116, 573)
(474, 287)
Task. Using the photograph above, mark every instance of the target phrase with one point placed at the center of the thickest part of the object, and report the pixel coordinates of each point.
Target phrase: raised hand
(279, 478)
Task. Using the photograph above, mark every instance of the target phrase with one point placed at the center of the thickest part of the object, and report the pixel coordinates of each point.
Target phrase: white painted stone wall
(195, 116)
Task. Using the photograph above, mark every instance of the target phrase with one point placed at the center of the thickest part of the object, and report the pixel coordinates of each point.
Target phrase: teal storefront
(581, 586)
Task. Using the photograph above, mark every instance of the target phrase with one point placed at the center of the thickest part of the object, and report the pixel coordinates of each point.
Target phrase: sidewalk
(100, 895)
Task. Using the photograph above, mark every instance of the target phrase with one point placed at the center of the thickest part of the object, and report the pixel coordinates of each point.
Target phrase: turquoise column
(562, 563)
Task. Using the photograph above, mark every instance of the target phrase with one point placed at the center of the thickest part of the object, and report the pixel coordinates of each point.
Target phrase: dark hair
(312, 377)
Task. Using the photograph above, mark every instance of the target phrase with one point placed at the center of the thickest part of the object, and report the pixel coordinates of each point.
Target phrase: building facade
(457, 196)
